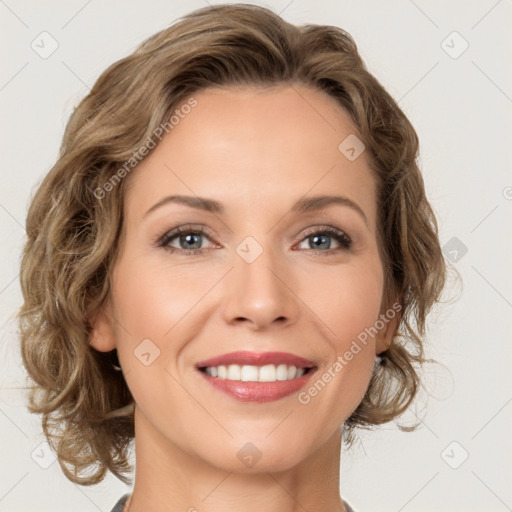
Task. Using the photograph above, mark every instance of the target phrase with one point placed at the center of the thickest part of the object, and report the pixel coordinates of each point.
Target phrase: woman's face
(258, 279)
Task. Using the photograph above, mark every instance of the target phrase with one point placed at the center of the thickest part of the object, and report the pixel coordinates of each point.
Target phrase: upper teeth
(249, 373)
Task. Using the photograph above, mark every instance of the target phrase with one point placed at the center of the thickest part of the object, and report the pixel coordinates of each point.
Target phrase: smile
(250, 373)
(257, 377)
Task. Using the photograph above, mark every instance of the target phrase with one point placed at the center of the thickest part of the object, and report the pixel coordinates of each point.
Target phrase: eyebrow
(304, 205)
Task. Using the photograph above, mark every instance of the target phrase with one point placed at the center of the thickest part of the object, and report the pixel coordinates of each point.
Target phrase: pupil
(189, 238)
(317, 237)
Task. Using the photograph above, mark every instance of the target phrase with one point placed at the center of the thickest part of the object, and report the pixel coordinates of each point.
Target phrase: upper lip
(257, 359)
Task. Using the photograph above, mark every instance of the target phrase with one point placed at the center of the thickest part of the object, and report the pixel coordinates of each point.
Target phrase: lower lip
(258, 391)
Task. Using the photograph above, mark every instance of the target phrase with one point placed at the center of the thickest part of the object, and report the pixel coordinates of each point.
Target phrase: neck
(169, 479)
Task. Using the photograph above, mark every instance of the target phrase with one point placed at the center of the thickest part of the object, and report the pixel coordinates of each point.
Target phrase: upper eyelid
(202, 229)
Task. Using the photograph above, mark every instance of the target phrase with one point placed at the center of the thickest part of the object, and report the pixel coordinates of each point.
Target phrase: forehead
(255, 148)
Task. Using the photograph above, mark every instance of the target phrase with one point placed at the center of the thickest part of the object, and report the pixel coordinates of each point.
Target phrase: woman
(223, 265)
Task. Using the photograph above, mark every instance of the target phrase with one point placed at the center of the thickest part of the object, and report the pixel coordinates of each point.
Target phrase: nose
(261, 293)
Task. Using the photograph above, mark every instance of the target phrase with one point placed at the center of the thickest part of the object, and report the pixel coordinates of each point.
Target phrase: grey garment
(348, 507)
(122, 501)
(118, 507)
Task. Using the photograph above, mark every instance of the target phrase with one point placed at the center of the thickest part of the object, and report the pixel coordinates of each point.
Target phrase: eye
(189, 240)
(319, 238)
(186, 236)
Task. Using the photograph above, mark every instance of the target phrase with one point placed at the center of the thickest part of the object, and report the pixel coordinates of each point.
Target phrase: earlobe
(384, 338)
(102, 334)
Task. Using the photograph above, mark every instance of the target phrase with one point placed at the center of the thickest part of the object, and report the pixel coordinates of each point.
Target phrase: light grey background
(461, 109)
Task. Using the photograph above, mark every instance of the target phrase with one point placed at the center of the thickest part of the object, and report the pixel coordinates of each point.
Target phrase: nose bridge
(258, 287)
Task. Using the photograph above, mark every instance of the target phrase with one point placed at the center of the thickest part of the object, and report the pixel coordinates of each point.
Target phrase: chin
(245, 456)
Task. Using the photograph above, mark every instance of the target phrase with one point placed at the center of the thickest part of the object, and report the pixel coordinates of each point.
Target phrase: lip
(257, 391)
(257, 359)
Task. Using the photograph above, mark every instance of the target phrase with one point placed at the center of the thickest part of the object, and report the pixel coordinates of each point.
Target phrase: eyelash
(166, 238)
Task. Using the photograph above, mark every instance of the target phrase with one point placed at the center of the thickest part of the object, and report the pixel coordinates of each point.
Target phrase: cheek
(153, 309)
(348, 300)
(151, 301)
(350, 309)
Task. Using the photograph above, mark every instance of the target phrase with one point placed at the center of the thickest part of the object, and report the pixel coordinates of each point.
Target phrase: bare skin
(256, 152)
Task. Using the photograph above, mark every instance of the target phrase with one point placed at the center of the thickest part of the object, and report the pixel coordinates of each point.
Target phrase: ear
(391, 319)
(102, 334)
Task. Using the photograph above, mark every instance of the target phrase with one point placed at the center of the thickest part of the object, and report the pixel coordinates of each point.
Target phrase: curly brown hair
(72, 236)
